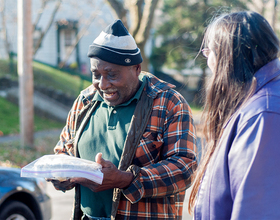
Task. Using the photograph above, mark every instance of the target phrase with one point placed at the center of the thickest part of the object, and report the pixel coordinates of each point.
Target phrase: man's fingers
(99, 159)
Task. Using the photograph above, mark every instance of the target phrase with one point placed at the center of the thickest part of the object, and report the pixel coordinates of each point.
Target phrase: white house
(72, 17)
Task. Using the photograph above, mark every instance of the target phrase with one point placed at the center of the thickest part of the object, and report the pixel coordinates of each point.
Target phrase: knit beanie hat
(116, 45)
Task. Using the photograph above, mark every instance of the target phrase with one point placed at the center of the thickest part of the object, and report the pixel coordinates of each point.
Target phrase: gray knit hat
(116, 45)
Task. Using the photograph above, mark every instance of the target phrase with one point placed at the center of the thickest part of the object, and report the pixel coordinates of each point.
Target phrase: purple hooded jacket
(242, 180)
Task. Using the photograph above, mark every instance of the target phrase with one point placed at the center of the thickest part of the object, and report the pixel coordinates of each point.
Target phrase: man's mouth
(109, 95)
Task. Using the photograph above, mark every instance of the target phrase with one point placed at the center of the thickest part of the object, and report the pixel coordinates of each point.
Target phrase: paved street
(62, 204)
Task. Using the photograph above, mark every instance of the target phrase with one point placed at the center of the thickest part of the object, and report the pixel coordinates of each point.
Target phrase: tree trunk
(119, 9)
(142, 35)
(135, 8)
(25, 73)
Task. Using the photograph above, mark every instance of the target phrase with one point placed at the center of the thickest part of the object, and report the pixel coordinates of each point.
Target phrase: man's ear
(138, 69)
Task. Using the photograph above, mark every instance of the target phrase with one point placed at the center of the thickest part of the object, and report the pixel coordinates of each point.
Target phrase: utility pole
(25, 72)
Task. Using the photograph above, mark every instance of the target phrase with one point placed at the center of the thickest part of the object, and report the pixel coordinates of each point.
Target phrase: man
(138, 128)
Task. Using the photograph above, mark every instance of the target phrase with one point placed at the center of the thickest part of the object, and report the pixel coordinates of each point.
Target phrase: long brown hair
(243, 42)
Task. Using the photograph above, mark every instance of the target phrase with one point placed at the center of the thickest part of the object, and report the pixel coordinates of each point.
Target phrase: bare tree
(119, 9)
(4, 28)
(39, 14)
(35, 25)
(79, 35)
(43, 33)
(274, 16)
(267, 8)
(141, 14)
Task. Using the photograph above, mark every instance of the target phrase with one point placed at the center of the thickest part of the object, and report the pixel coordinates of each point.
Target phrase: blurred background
(168, 32)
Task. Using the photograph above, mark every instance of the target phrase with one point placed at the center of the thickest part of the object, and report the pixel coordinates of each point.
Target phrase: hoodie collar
(267, 73)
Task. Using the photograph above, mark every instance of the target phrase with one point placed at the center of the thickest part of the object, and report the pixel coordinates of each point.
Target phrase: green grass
(44, 76)
(11, 154)
(9, 117)
(47, 76)
(8, 69)
(59, 80)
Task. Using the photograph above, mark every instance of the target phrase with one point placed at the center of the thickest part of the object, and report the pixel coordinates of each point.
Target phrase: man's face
(116, 84)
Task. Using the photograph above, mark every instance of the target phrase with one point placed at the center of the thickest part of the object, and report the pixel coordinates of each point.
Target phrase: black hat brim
(116, 56)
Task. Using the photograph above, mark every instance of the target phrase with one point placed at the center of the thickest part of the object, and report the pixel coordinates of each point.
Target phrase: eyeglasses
(205, 52)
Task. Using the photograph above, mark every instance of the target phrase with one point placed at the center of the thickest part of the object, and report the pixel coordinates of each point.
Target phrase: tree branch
(37, 46)
(78, 37)
(135, 8)
(146, 22)
(274, 16)
(39, 15)
(119, 9)
(4, 27)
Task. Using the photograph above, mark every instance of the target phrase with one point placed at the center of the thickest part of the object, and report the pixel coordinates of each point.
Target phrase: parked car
(23, 198)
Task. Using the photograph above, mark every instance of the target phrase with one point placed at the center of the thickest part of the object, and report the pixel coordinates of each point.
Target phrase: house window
(68, 37)
(66, 33)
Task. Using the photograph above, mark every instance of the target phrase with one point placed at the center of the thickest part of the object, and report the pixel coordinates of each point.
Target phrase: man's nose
(104, 83)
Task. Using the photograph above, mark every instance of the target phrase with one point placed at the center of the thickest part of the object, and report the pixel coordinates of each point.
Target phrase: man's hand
(113, 178)
(61, 185)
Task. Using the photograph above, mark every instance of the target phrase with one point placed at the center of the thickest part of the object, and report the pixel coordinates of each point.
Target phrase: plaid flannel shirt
(165, 156)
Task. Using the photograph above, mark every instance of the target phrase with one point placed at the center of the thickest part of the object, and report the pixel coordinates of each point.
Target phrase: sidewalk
(39, 134)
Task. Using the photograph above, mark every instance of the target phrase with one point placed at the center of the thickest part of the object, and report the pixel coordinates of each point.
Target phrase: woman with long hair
(239, 174)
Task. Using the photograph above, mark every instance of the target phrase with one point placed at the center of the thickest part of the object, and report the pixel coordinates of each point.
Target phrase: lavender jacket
(242, 180)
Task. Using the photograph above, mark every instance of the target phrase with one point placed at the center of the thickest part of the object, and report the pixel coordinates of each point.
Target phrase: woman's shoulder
(262, 104)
